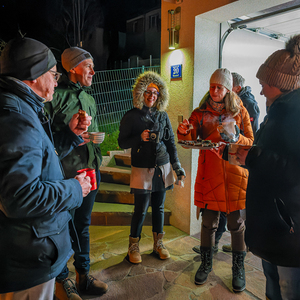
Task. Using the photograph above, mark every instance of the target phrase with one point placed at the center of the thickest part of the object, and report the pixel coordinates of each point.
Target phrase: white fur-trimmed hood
(140, 86)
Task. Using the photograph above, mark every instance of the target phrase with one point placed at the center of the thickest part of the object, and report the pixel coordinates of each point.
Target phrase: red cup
(92, 174)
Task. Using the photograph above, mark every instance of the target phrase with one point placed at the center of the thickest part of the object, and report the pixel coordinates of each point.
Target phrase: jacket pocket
(283, 214)
(51, 226)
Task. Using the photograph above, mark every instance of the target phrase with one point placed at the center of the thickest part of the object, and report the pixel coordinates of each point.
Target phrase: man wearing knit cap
(69, 97)
(35, 199)
(273, 207)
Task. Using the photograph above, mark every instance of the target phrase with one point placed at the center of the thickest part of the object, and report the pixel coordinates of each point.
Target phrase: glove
(233, 138)
(179, 171)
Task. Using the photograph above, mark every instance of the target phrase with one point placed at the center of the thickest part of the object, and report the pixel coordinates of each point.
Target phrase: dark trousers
(236, 226)
(141, 204)
(82, 221)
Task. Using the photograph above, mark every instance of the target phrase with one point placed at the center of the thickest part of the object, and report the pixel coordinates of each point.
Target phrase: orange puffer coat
(219, 185)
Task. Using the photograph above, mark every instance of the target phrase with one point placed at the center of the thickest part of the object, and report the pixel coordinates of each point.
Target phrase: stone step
(110, 214)
(116, 174)
(114, 193)
(123, 159)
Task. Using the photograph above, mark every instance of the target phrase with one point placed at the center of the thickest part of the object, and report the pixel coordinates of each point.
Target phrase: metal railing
(111, 90)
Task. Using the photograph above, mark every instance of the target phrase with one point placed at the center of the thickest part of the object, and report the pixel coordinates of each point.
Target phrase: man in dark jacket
(68, 98)
(35, 199)
(244, 92)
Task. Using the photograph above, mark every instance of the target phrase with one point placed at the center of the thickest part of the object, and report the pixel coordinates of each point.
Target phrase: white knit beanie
(223, 77)
(73, 56)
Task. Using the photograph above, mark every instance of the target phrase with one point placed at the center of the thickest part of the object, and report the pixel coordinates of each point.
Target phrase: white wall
(243, 53)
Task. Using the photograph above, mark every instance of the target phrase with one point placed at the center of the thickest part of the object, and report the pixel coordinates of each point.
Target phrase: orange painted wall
(179, 200)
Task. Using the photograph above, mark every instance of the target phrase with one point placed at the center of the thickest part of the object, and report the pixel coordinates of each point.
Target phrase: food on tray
(82, 113)
(198, 144)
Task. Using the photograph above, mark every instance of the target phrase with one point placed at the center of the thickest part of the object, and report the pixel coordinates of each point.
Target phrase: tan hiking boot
(89, 285)
(227, 248)
(158, 246)
(134, 251)
(66, 290)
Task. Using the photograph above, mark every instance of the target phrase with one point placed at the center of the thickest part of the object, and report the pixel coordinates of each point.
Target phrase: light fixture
(174, 20)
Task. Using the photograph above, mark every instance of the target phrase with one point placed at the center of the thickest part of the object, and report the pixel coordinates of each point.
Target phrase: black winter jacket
(273, 193)
(152, 153)
(251, 105)
(34, 197)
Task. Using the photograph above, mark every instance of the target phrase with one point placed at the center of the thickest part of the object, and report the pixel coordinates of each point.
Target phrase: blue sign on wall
(176, 71)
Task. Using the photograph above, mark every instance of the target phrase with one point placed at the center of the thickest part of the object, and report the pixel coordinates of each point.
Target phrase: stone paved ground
(170, 279)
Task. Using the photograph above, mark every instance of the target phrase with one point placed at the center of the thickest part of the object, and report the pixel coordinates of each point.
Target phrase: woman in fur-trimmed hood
(140, 86)
(146, 129)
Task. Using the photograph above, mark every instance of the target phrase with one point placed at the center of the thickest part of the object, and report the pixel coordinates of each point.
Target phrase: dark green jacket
(67, 99)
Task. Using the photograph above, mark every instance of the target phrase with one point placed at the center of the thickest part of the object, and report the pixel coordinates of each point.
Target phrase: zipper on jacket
(225, 185)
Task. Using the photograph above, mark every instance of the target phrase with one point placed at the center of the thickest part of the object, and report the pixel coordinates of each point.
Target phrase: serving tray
(198, 144)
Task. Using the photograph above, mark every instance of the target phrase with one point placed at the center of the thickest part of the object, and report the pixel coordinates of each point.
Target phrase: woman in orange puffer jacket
(220, 186)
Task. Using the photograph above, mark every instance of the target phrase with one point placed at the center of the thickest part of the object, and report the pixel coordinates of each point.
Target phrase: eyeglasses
(149, 93)
(56, 75)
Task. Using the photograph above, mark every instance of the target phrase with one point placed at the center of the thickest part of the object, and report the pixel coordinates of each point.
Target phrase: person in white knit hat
(220, 186)
(273, 207)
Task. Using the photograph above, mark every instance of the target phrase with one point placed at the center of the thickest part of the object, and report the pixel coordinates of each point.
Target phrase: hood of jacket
(246, 92)
(23, 91)
(140, 86)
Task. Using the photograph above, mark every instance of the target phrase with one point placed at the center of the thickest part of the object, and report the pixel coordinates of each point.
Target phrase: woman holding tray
(220, 186)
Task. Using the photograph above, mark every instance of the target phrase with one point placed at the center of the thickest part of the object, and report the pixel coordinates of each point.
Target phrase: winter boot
(238, 271)
(134, 251)
(65, 290)
(88, 285)
(158, 246)
(206, 265)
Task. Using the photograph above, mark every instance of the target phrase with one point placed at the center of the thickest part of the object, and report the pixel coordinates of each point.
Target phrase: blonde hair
(232, 103)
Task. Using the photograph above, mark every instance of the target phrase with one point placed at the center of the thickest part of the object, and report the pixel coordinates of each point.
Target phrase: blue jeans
(82, 221)
(141, 204)
(283, 283)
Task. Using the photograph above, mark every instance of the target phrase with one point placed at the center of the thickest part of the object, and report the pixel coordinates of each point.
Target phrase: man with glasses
(35, 199)
(69, 97)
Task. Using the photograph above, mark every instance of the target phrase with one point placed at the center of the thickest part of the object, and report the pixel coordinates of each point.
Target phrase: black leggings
(141, 204)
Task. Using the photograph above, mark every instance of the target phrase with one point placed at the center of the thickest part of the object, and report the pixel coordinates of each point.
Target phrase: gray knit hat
(26, 59)
(73, 56)
(223, 77)
(282, 68)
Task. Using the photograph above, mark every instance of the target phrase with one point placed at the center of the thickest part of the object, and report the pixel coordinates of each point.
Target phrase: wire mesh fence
(111, 90)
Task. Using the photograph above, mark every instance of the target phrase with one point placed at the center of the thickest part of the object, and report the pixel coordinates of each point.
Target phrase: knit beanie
(282, 68)
(26, 59)
(73, 56)
(223, 77)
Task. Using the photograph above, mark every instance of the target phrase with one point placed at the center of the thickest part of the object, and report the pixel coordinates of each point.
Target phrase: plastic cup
(232, 151)
(97, 137)
(92, 174)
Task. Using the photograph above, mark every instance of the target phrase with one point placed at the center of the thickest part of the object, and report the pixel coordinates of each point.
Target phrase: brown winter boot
(88, 285)
(158, 246)
(134, 251)
(65, 290)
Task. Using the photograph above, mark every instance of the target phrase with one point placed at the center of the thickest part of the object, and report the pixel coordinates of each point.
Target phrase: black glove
(178, 169)
(233, 138)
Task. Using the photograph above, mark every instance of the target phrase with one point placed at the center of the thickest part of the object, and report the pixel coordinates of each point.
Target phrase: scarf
(217, 106)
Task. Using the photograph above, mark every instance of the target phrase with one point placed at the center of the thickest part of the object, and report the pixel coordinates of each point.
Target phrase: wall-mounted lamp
(174, 20)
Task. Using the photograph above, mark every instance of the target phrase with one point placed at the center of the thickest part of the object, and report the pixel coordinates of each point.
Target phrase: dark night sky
(52, 21)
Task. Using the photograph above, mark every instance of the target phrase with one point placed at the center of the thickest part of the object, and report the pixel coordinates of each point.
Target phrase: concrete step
(109, 214)
(123, 159)
(116, 174)
(114, 193)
